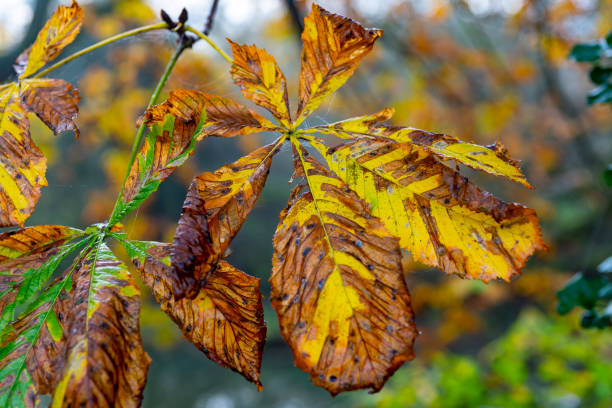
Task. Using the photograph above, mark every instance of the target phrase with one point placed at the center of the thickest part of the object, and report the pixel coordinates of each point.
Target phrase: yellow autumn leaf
(337, 285)
(441, 218)
(22, 164)
(261, 80)
(333, 46)
(492, 159)
(59, 31)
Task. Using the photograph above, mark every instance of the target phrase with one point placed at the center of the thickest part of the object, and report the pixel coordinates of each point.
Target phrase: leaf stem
(141, 129)
(183, 45)
(102, 43)
(210, 42)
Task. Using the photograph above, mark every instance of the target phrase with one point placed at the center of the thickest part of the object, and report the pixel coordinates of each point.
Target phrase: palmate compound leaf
(78, 339)
(337, 285)
(29, 345)
(59, 31)
(441, 218)
(216, 206)
(492, 159)
(224, 320)
(333, 46)
(22, 164)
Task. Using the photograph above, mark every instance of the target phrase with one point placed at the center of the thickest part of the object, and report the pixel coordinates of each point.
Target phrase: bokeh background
(481, 70)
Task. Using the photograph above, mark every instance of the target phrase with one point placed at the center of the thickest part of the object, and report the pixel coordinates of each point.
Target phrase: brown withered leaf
(22, 164)
(333, 46)
(59, 31)
(337, 285)
(106, 365)
(224, 117)
(261, 80)
(225, 319)
(45, 361)
(215, 208)
(54, 101)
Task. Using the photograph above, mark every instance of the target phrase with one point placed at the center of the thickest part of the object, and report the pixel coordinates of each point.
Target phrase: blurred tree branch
(296, 18)
(211, 17)
(555, 89)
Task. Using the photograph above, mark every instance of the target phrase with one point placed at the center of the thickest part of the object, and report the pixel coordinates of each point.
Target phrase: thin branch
(102, 43)
(210, 42)
(588, 154)
(211, 17)
(139, 135)
(296, 17)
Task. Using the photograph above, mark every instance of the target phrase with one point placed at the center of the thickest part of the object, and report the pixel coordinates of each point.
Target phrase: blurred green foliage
(540, 362)
(599, 54)
(593, 290)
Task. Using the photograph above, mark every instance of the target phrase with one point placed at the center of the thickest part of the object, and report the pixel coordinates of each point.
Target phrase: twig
(211, 17)
(582, 142)
(209, 41)
(102, 43)
(114, 218)
(296, 17)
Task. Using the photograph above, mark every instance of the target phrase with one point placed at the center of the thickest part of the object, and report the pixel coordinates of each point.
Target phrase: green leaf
(581, 291)
(20, 385)
(607, 175)
(28, 258)
(600, 75)
(601, 94)
(586, 52)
